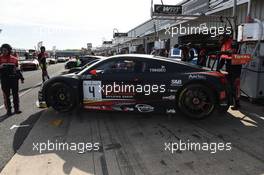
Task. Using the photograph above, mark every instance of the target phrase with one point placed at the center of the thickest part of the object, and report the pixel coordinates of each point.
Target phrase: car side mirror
(95, 72)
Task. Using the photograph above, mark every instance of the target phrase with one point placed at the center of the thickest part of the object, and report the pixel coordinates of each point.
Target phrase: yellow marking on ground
(56, 122)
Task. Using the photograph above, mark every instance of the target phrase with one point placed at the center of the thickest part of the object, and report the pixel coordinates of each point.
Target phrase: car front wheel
(60, 97)
(196, 101)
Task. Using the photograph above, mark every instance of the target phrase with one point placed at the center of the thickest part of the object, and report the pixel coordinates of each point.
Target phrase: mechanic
(234, 71)
(202, 56)
(10, 74)
(185, 53)
(78, 61)
(191, 52)
(42, 56)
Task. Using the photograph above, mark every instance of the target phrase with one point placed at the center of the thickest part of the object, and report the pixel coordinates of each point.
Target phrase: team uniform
(234, 71)
(10, 74)
(202, 57)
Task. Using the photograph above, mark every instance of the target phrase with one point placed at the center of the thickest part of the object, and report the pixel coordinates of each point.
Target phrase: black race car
(139, 83)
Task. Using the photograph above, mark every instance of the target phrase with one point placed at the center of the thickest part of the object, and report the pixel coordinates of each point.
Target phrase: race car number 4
(92, 90)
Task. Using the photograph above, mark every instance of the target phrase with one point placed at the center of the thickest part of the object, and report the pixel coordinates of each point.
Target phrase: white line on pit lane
(18, 126)
(23, 93)
(256, 115)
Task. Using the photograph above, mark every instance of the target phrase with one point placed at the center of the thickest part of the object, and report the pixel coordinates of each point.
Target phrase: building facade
(141, 39)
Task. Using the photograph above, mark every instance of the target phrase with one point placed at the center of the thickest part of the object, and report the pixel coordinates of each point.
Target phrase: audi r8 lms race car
(61, 59)
(140, 83)
(51, 61)
(31, 64)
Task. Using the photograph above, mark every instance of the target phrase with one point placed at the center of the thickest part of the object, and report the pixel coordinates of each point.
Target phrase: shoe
(236, 105)
(235, 108)
(18, 112)
(9, 113)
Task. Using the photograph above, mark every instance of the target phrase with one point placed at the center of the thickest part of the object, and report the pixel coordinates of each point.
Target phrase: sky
(69, 24)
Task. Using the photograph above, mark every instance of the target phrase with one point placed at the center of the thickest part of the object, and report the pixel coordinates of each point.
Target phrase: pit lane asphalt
(29, 94)
(133, 144)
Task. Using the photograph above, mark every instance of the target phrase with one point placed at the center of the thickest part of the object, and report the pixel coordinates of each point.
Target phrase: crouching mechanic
(10, 74)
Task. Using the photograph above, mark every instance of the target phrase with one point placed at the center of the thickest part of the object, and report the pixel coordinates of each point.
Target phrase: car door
(112, 86)
(164, 79)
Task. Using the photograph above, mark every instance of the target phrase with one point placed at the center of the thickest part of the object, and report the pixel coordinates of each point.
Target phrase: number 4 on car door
(92, 90)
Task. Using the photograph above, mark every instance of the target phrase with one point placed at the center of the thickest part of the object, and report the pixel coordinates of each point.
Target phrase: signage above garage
(168, 9)
(116, 35)
(108, 42)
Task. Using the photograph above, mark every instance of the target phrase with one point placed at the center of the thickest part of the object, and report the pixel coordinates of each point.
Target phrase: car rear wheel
(60, 97)
(196, 101)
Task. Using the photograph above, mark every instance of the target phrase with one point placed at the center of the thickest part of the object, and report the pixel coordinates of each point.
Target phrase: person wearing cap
(10, 74)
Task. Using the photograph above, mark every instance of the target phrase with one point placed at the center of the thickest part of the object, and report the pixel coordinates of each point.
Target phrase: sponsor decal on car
(86, 77)
(196, 77)
(162, 69)
(144, 108)
(100, 108)
(176, 83)
(129, 109)
(117, 108)
(170, 111)
(108, 102)
(173, 90)
(119, 95)
(123, 107)
(223, 104)
(93, 107)
(171, 97)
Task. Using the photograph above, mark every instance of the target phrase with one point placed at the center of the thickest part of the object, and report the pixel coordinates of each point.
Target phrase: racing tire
(61, 97)
(196, 101)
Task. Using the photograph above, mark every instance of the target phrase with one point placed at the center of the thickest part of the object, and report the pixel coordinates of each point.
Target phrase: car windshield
(89, 65)
(27, 60)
